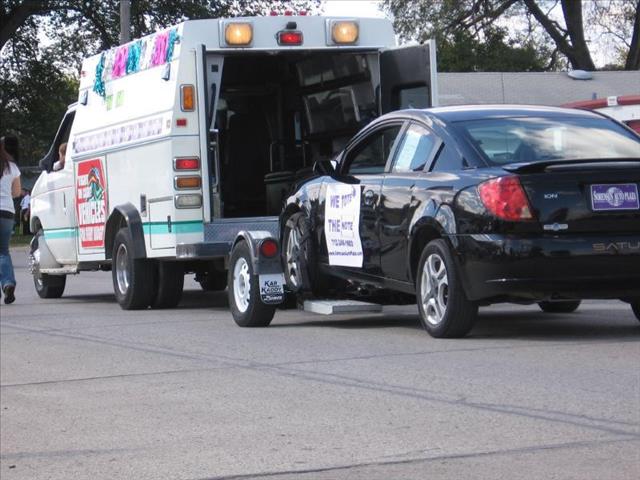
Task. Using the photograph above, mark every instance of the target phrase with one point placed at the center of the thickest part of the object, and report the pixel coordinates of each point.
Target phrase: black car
(460, 207)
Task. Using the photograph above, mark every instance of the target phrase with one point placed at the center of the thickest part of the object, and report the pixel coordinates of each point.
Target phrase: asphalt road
(90, 391)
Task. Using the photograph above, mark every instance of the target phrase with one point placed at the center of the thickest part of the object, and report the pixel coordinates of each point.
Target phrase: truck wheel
(213, 280)
(298, 253)
(244, 297)
(635, 306)
(445, 311)
(170, 283)
(47, 286)
(559, 307)
(133, 278)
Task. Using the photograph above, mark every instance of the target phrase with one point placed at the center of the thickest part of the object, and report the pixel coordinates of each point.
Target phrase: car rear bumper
(501, 267)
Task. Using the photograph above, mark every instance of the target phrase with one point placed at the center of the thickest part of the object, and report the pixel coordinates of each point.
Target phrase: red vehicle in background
(625, 109)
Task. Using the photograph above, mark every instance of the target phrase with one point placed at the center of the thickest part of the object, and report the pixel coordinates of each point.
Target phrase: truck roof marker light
(238, 34)
(189, 163)
(287, 37)
(187, 98)
(345, 32)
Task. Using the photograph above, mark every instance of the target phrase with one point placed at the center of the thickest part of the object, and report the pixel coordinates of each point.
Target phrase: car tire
(635, 306)
(134, 279)
(564, 306)
(243, 292)
(298, 253)
(445, 311)
(47, 286)
(170, 284)
(213, 280)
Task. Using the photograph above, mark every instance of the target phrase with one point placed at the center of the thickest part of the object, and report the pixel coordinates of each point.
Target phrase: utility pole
(125, 21)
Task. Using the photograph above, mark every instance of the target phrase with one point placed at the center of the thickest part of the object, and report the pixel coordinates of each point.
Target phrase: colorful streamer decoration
(139, 55)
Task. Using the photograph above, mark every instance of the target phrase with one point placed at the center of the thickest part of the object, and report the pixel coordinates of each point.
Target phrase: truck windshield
(530, 139)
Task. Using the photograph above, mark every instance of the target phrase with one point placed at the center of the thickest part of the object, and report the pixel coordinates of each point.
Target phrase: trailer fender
(260, 263)
(125, 215)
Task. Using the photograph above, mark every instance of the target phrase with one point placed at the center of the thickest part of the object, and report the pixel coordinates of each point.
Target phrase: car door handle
(369, 197)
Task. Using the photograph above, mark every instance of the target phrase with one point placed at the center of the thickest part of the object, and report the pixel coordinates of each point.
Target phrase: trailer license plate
(608, 197)
(271, 288)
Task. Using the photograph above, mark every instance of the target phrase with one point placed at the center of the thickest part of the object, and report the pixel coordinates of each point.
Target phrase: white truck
(185, 142)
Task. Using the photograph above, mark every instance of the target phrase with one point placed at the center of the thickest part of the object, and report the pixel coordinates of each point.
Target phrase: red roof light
(286, 37)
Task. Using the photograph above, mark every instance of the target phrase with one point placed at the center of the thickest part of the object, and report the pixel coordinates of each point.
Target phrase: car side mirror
(324, 167)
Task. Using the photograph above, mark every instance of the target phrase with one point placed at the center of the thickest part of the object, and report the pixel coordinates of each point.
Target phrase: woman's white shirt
(8, 176)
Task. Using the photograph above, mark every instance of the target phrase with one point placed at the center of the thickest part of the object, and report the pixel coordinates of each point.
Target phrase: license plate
(271, 288)
(607, 197)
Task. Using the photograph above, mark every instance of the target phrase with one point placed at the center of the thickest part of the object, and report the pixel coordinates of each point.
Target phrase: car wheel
(243, 292)
(445, 311)
(47, 286)
(559, 306)
(635, 306)
(170, 283)
(133, 278)
(298, 253)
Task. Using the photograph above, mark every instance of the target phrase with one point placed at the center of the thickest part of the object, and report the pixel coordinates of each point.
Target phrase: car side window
(371, 155)
(415, 150)
(448, 160)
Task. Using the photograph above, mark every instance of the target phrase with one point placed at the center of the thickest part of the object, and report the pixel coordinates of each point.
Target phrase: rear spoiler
(573, 165)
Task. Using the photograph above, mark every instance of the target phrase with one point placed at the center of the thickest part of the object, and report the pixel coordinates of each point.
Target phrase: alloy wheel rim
(122, 269)
(241, 284)
(293, 257)
(434, 289)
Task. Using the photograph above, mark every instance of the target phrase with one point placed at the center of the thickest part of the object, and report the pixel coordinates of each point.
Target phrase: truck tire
(243, 292)
(298, 253)
(133, 278)
(560, 306)
(47, 286)
(635, 306)
(445, 311)
(170, 284)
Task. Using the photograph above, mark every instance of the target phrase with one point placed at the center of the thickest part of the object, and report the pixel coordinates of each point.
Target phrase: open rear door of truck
(408, 77)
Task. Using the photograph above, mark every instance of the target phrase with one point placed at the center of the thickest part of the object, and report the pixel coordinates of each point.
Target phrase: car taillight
(269, 248)
(505, 198)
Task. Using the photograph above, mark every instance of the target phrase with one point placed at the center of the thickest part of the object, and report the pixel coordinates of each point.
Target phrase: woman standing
(9, 188)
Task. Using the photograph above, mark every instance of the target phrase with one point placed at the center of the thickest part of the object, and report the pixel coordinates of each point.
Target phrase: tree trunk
(633, 57)
(572, 11)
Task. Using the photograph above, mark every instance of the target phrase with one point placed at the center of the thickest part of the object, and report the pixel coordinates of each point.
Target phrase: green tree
(42, 43)
(570, 26)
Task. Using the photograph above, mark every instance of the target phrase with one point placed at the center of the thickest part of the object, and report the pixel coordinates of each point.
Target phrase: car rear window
(530, 139)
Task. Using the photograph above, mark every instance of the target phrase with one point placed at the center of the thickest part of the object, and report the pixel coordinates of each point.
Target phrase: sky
(353, 8)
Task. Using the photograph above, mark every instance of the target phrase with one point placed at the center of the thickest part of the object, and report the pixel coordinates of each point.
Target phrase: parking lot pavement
(90, 391)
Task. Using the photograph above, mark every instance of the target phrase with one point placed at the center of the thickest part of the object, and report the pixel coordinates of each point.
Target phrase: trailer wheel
(170, 284)
(47, 286)
(635, 306)
(298, 252)
(212, 280)
(133, 278)
(244, 299)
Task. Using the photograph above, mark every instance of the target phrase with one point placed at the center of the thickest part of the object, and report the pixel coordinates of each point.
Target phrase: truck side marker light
(181, 122)
(269, 248)
(186, 183)
(187, 98)
(190, 163)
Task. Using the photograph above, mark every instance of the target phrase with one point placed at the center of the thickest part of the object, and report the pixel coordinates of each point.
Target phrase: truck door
(408, 77)
(56, 203)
